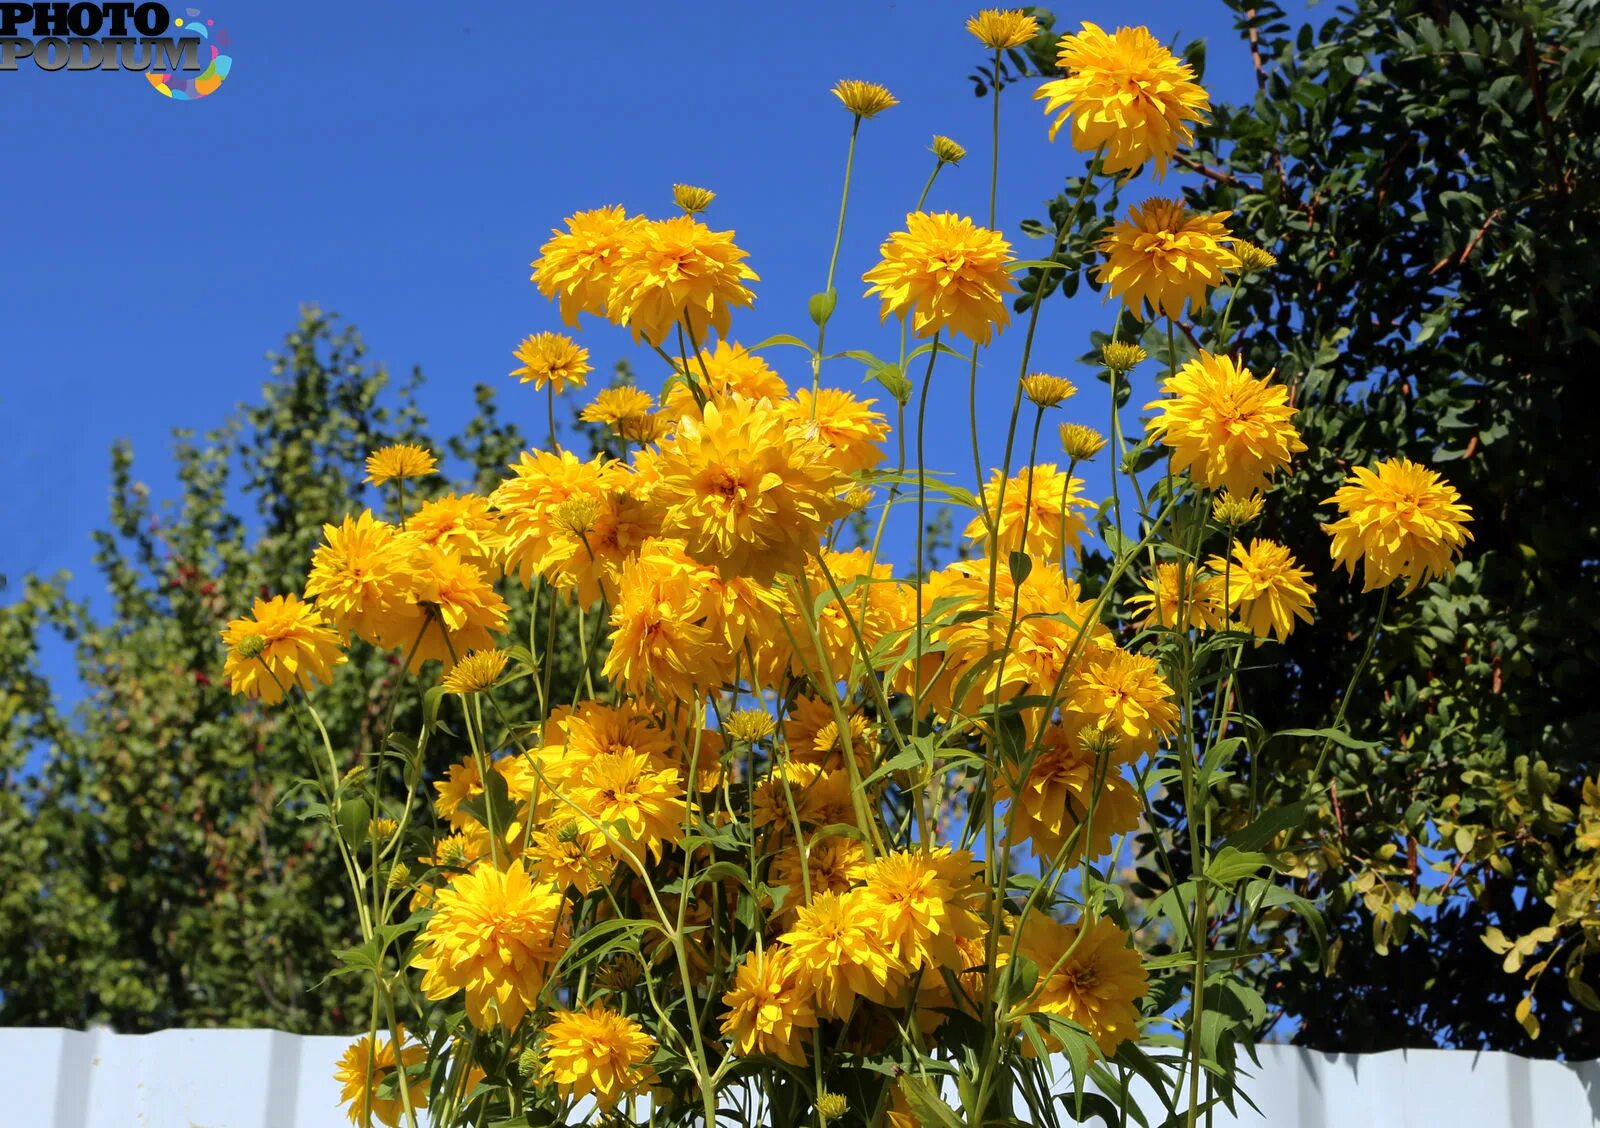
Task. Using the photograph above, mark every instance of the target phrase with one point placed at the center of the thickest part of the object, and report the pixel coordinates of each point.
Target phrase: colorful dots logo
(208, 81)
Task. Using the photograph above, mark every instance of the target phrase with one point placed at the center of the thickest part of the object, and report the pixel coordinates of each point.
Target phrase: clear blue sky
(401, 162)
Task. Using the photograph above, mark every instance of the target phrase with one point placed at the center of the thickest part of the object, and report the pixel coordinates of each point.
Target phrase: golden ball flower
(476, 673)
(554, 360)
(1044, 390)
(864, 99)
(769, 1010)
(365, 1067)
(659, 635)
(1081, 443)
(1125, 92)
(947, 274)
(1122, 357)
(1001, 29)
(459, 523)
(1266, 592)
(1088, 973)
(401, 460)
(1228, 429)
(1040, 499)
(840, 954)
(727, 370)
(1175, 597)
(283, 643)
(946, 150)
(1163, 256)
(692, 200)
(1400, 520)
(362, 578)
(577, 267)
(463, 611)
(1232, 511)
(1124, 695)
(619, 408)
(596, 1052)
(850, 432)
(1053, 799)
(678, 272)
(924, 902)
(637, 798)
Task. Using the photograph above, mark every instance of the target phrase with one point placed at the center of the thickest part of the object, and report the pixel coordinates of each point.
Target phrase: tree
(156, 869)
(1424, 171)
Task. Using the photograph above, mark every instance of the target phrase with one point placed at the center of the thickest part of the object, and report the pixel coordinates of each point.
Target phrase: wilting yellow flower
(849, 430)
(1121, 357)
(1096, 986)
(495, 935)
(730, 369)
(465, 612)
(678, 272)
(1124, 695)
(839, 952)
(619, 408)
(283, 643)
(946, 150)
(401, 460)
(637, 799)
(749, 493)
(692, 200)
(578, 266)
(364, 1068)
(1253, 259)
(1265, 589)
(749, 725)
(864, 99)
(1047, 391)
(832, 1106)
(923, 900)
(1402, 520)
(1164, 256)
(362, 578)
(1126, 92)
(1054, 798)
(381, 829)
(947, 273)
(1081, 443)
(552, 359)
(476, 673)
(1175, 595)
(596, 1052)
(1049, 510)
(460, 524)
(769, 1011)
(1227, 428)
(1002, 28)
(1234, 512)
(658, 633)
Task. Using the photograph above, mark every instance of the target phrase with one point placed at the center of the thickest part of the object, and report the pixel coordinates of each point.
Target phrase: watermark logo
(183, 57)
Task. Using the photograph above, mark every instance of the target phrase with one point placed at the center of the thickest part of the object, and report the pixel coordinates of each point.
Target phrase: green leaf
(1229, 864)
(923, 1099)
(354, 815)
(1268, 825)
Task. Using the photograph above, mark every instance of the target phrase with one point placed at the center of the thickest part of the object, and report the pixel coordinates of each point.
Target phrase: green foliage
(161, 867)
(1424, 171)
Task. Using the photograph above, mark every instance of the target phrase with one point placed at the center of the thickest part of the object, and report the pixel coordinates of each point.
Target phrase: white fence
(265, 1079)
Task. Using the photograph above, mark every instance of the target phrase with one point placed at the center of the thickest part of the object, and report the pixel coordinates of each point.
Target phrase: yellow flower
(637, 799)
(578, 266)
(464, 611)
(552, 359)
(849, 430)
(1253, 259)
(1054, 798)
(1265, 589)
(659, 636)
(923, 900)
(946, 150)
(692, 200)
(1097, 985)
(361, 580)
(1125, 696)
(947, 273)
(749, 494)
(1176, 595)
(867, 606)
(596, 1052)
(1121, 357)
(495, 935)
(364, 1068)
(769, 1011)
(1081, 443)
(283, 643)
(864, 99)
(749, 725)
(1234, 512)
(1126, 92)
(401, 460)
(1003, 28)
(832, 1106)
(570, 857)
(678, 272)
(1164, 256)
(839, 953)
(834, 863)
(619, 408)
(1048, 511)
(1044, 390)
(1402, 520)
(460, 524)
(1228, 429)
(476, 673)
(730, 369)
